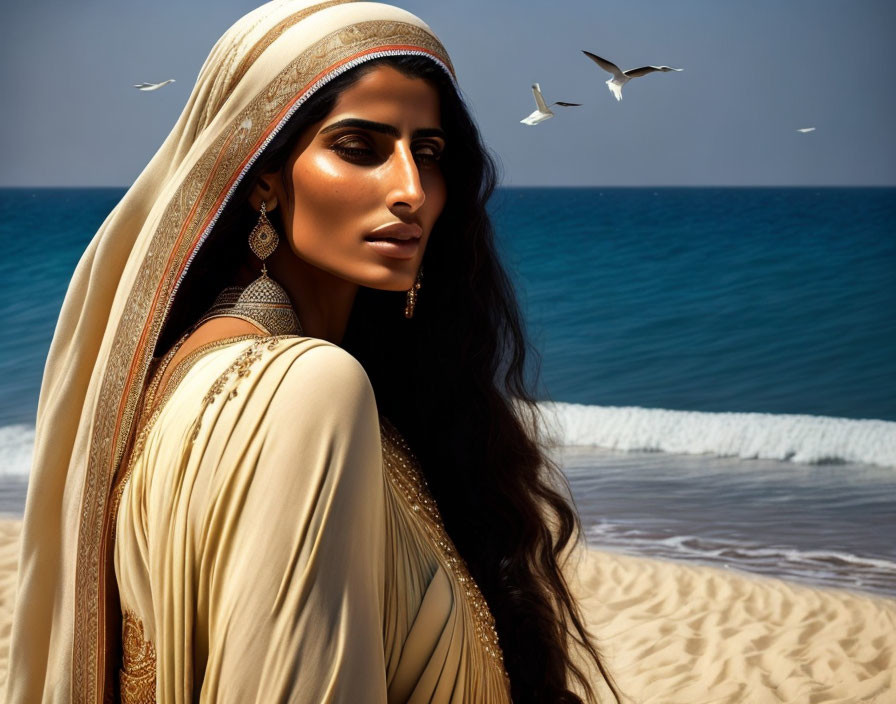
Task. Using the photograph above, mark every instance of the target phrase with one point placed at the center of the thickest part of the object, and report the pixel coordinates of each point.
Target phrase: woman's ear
(265, 189)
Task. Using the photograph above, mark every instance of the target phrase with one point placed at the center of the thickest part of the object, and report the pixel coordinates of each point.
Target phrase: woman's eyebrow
(382, 128)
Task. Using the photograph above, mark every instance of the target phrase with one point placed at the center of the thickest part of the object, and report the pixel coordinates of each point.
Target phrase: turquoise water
(746, 338)
(765, 300)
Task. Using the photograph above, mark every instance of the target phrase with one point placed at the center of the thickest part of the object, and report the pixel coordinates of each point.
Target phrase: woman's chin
(392, 279)
(402, 285)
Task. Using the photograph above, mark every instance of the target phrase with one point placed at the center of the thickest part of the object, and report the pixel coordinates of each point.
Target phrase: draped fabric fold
(66, 636)
(250, 535)
(266, 550)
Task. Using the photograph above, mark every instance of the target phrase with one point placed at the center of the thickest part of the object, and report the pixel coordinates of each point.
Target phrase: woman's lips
(397, 240)
(397, 249)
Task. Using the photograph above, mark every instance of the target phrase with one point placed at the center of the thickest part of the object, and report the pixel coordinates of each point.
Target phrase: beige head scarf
(257, 75)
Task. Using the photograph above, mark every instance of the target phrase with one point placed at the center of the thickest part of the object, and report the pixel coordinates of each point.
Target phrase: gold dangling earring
(412, 294)
(264, 301)
(263, 239)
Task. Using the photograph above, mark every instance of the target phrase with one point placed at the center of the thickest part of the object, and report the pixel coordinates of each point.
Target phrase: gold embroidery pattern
(237, 371)
(151, 410)
(273, 35)
(186, 364)
(404, 473)
(139, 441)
(180, 232)
(137, 677)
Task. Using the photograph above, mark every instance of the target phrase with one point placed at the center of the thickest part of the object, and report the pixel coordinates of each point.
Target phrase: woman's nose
(406, 187)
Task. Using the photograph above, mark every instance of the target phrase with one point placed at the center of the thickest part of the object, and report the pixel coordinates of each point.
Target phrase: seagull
(152, 86)
(620, 78)
(806, 129)
(544, 111)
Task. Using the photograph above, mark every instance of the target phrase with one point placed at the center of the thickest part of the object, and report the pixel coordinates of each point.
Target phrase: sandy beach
(674, 633)
(9, 558)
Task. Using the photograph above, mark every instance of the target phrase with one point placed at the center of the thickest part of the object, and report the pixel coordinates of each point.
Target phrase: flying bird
(544, 111)
(620, 78)
(806, 129)
(152, 86)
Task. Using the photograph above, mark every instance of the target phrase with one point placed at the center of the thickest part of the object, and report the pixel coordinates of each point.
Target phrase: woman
(283, 444)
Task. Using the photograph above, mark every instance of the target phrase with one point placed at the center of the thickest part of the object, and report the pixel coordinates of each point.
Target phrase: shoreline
(674, 633)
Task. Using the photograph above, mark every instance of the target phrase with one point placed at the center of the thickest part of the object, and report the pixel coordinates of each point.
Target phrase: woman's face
(363, 187)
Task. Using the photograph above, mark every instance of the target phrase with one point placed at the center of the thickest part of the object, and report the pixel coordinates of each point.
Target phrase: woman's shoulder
(297, 396)
(283, 369)
(295, 374)
(313, 403)
(320, 368)
(292, 355)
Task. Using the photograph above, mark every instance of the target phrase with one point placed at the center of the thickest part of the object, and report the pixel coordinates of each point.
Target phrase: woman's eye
(359, 150)
(354, 149)
(428, 154)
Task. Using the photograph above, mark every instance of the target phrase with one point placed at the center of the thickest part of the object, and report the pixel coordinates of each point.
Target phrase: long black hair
(452, 380)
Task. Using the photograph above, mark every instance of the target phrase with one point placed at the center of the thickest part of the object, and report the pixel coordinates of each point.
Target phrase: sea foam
(16, 447)
(833, 568)
(796, 438)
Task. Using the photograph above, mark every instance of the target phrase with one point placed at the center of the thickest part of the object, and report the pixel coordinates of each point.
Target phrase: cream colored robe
(274, 545)
(63, 642)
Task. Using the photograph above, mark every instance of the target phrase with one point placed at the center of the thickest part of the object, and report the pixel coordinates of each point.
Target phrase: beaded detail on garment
(232, 375)
(152, 406)
(137, 677)
(403, 472)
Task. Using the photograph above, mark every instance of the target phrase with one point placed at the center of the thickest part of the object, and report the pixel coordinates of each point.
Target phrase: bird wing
(607, 66)
(537, 117)
(644, 70)
(539, 98)
(153, 86)
(567, 105)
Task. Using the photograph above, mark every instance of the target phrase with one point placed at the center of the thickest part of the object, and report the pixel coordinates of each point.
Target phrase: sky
(754, 72)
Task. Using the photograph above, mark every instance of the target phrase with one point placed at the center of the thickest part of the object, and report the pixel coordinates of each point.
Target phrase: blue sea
(718, 365)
